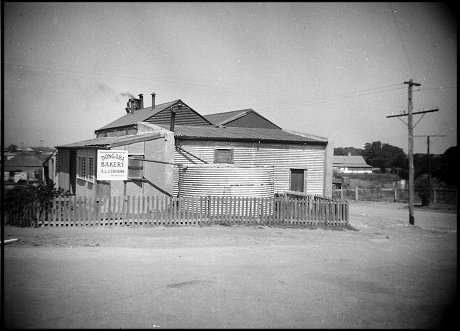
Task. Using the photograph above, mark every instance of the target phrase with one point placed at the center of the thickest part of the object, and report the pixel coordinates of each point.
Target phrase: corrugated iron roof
(139, 115)
(241, 134)
(105, 142)
(229, 116)
(349, 161)
(224, 117)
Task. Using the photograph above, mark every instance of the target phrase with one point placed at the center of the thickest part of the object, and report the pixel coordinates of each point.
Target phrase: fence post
(434, 195)
(208, 208)
(395, 194)
(356, 193)
(347, 212)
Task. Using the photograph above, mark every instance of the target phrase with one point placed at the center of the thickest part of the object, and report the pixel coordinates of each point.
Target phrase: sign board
(112, 165)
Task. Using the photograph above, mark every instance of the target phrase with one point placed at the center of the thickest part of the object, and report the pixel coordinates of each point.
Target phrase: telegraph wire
(436, 88)
(205, 88)
(402, 41)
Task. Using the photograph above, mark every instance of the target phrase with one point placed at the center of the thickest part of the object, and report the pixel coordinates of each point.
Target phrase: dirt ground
(384, 273)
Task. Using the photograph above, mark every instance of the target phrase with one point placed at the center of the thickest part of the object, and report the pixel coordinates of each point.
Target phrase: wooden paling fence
(155, 210)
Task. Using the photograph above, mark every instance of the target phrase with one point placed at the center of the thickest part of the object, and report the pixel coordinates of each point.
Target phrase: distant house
(8, 155)
(351, 164)
(31, 167)
(163, 140)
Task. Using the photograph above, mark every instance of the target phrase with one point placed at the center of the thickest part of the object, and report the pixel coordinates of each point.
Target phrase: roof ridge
(230, 111)
(160, 104)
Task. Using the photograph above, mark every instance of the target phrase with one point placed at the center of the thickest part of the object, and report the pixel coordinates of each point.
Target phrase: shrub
(20, 196)
(424, 189)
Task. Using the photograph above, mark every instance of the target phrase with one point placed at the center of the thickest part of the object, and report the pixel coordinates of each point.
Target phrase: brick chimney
(132, 105)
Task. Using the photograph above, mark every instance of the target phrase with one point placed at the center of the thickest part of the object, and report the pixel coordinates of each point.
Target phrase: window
(135, 167)
(91, 169)
(222, 155)
(297, 180)
(81, 167)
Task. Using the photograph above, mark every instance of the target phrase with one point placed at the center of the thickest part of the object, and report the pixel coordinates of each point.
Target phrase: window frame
(139, 158)
(81, 167)
(90, 173)
(232, 155)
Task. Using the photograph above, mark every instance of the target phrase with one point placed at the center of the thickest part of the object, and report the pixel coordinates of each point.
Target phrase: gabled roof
(106, 142)
(243, 134)
(349, 161)
(144, 114)
(25, 161)
(139, 115)
(224, 118)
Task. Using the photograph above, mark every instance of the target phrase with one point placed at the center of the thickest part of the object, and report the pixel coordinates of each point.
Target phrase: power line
(200, 86)
(436, 88)
(402, 41)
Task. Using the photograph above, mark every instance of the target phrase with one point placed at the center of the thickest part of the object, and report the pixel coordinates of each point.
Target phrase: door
(73, 171)
(297, 181)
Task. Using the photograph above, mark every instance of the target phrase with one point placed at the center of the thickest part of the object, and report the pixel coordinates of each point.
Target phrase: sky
(334, 70)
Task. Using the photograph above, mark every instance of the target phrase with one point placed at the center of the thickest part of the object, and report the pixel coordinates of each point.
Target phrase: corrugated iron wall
(281, 157)
(226, 180)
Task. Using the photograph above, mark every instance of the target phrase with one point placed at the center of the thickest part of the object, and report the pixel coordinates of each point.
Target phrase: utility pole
(410, 127)
(411, 152)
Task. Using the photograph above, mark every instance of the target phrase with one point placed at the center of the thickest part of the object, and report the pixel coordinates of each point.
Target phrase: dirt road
(386, 274)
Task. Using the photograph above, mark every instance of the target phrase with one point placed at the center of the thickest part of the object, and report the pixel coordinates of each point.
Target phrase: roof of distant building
(25, 161)
(349, 161)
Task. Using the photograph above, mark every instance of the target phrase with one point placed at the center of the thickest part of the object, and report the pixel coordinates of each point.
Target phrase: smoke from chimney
(127, 94)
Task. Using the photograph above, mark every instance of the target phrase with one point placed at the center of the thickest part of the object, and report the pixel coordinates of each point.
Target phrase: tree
(385, 156)
(12, 148)
(449, 166)
(443, 167)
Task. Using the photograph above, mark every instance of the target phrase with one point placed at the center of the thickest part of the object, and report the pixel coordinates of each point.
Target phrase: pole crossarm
(414, 113)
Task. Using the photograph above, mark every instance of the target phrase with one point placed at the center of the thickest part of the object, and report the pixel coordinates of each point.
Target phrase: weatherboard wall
(282, 157)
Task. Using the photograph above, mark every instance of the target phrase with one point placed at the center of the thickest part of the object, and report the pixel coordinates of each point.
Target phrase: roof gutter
(261, 140)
